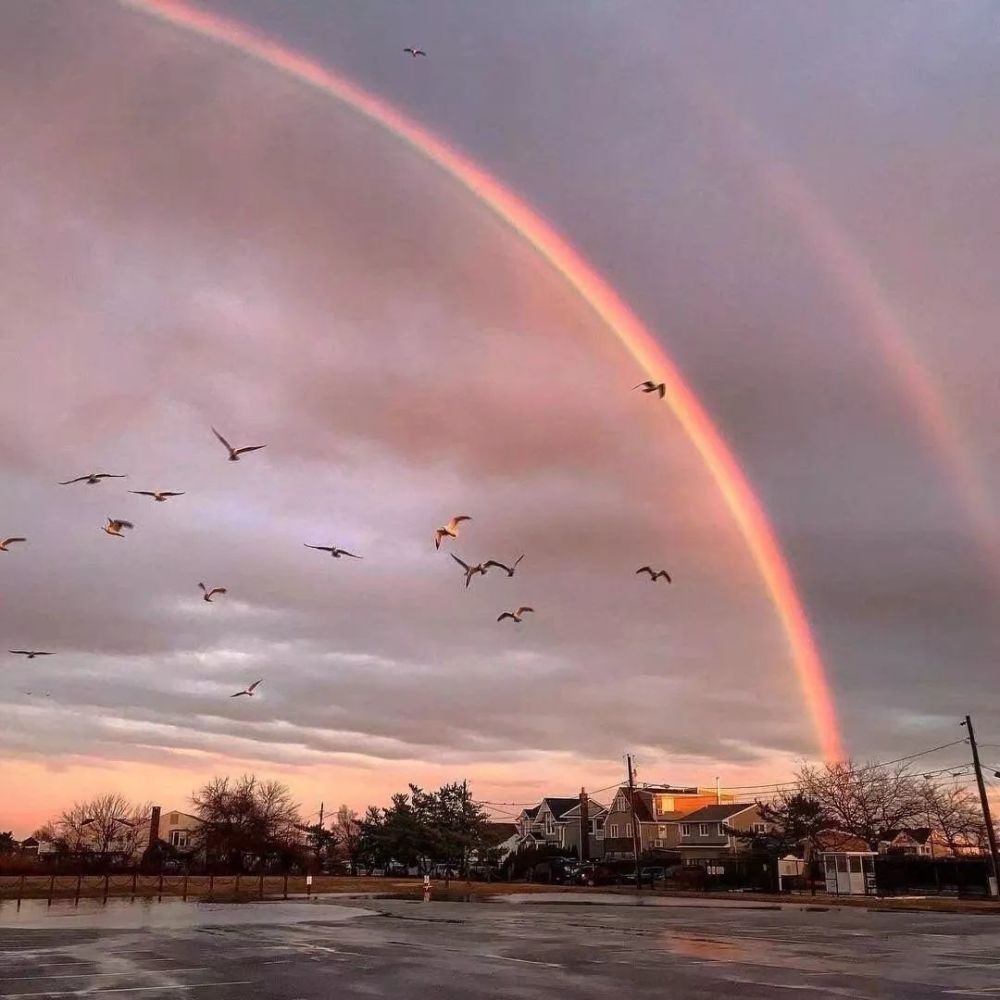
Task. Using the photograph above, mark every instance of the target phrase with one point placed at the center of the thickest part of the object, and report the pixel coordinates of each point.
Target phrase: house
(545, 825)
(38, 848)
(917, 841)
(832, 841)
(572, 830)
(504, 838)
(710, 832)
(175, 828)
(658, 810)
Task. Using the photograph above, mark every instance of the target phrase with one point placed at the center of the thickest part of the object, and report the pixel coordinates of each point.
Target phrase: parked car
(595, 874)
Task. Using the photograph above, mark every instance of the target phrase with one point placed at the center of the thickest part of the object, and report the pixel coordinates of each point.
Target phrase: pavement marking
(523, 961)
(95, 975)
(127, 989)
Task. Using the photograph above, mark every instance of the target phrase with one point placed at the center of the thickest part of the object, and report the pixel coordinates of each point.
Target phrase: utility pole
(319, 836)
(990, 832)
(584, 826)
(636, 840)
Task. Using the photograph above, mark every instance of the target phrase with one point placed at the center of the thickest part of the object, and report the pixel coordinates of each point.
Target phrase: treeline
(247, 824)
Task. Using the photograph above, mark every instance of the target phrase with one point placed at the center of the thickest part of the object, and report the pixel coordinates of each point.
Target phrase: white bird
(158, 495)
(29, 653)
(115, 525)
(208, 593)
(93, 478)
(249, 691)
(414, 52)
(234, 453)
(470, 571)
(650, 386)
(515, 616)
(509, 570)
(654, 575)
(449, 530)
(333, 550)
(4, 542)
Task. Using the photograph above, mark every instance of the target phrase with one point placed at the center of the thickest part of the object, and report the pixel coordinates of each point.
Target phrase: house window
(179, 838)
(718, 829)
(685, 829)
(759, 828)
(658, 843)
(628, 829)
(614, 829)
(702, 829)
(550, 826)
(174, 818)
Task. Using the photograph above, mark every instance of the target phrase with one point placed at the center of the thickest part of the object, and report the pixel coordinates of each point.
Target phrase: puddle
(712, 949)
(435, 896)
(129, 914)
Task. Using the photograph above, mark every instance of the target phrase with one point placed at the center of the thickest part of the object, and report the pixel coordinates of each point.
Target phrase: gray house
(707, 833)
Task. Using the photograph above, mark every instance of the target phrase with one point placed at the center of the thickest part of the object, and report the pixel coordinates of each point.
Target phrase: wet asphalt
(409, 949)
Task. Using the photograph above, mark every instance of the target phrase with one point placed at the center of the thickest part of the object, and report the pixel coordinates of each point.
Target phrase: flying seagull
(515, 616)
(654, 575)
(249, 691)
(449, 530)
(509, 570)
(470, 571)
(115, 525)
(650, 386)
(4, 542)
(158, 495)
(93, 479)
(208, 593)
(234, 453)
(414, 52)
(333, 550)
(29, 653)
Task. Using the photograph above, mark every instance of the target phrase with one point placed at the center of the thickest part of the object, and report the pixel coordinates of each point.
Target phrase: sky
(796, 200)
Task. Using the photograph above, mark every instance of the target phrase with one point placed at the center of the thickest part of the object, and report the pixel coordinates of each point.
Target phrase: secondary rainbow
(602, 298)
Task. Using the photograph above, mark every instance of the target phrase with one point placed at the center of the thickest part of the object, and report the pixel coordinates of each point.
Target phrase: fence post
(286, 886)
(20, 887)
(135, 881)
(184, 887)
(159, 893)
(79, 882)
(261, 893)
(107, 882)
(52, 885)
(237, 889)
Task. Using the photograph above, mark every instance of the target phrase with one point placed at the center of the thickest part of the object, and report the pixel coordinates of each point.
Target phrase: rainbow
(740, 498)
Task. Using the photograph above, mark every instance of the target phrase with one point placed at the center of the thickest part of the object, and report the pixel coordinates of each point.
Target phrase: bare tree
(347, 834)
(954, 813)
(247, 820)
(105, 825)
(865, 800)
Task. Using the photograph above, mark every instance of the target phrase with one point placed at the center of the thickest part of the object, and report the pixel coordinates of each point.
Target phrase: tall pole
(635, 826)
(319, 837)
(990, 832)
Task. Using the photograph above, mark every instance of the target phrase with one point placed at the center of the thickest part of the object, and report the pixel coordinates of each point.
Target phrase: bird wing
(517, 560)
(493, 562)
(252, 447)
(521, 611)
(662, 389)
(22, 651)
(107, 475)
(644, 569)
(39, 652)
(420, 52)
(322, 548)
(170, 494)
(238, 693)
(464, 565)
(344, 552)
(641, 385)
(506, 614)
(255, 683)
(408, 49)
(146, 493)
(125, 524)
(202, 586)
(457, 519)
(217, 590)
(666, 576)
(79, 479)
(229, 447)
(7, 541)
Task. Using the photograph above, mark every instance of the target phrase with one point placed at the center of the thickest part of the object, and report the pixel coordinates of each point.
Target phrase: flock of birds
(117, 526)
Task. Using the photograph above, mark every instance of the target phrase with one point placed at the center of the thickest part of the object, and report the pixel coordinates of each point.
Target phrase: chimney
(584, 826)
(154, 826)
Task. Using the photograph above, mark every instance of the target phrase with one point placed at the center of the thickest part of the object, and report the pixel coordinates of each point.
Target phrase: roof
(643, 804)
(594, 809)
(919, 835)
(559, 806)
(532, 812)
(716, 814)
(501, 831)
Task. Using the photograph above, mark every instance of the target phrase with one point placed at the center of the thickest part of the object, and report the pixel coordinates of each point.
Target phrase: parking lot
(410, 949)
